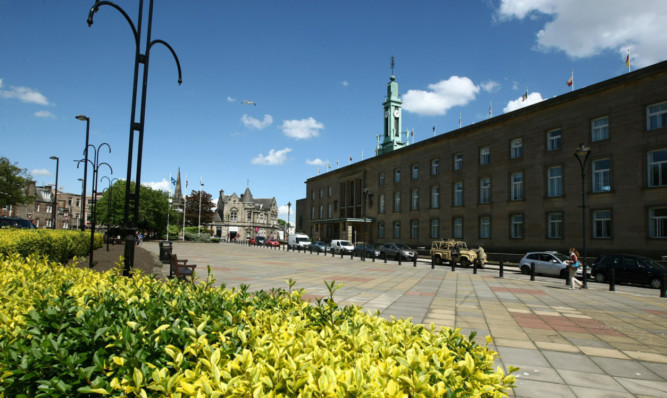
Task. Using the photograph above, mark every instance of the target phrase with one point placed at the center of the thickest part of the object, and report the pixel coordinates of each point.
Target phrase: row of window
(601, 182)
(601, 223)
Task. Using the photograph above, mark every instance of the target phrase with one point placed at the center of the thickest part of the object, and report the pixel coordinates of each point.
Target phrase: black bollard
(612, 280)
(341, 254)
(351, 255)
(474, 267)
(432, 262)
(373, 256)
(453, 264)
(384, 254)
(500, 272)
(663, 285)
(532, 272)
(414, 261)
(399, 259)
(311, 250)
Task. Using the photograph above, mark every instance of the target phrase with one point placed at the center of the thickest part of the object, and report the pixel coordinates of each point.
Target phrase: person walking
(572, 269)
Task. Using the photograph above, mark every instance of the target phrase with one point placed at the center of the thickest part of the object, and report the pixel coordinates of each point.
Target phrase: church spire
(393, 136)
(178, 196)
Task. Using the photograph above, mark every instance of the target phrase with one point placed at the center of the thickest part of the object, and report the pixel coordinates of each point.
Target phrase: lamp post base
(128, 260)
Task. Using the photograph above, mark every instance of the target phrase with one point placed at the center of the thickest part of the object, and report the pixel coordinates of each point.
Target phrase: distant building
(41, 211)
(243, 217)
(512, 183)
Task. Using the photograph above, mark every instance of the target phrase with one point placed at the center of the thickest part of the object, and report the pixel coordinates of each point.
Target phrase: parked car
(368, 250)
(628, 268)
(397, 250)
(16, 222)
(272, 242)
(298, 241)
(342, 246)
(260, 240)
(548, 263)
(319, 246)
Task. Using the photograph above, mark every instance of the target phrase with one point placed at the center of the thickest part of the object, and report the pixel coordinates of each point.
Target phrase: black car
(628, 268)
(16, 222)
(260, 240)
(368, 250)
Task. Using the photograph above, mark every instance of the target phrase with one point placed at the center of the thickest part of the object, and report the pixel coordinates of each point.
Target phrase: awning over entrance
(366, 220)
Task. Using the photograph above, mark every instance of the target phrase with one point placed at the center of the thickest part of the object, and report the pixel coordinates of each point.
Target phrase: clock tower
(393, 136)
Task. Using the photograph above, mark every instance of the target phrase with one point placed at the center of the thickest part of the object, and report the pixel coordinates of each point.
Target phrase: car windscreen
(651, 263)
(561, 257)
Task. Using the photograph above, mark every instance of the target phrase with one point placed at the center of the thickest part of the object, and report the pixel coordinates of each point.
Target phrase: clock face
(397, 113)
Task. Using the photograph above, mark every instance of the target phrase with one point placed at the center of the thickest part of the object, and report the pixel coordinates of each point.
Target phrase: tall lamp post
(130, 223)
(582, 153)
(96, 167)
(109, 212)
(201, 184)
(85, 170)
(55, 214)
(289, 207)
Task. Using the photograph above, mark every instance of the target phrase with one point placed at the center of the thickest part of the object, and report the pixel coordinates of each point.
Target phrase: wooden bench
(181, 269)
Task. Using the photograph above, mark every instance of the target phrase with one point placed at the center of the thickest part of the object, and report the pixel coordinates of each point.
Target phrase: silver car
(397, 250)
(548, 263)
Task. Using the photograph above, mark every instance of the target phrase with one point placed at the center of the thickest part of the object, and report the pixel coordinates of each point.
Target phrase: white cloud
(586, 28)
(441, 97)
(490, 86)
(302, 129)
(251, 122)
(345, 83)
(45, 114)
(273, 158)
(164, 185)
(317, 162)
(230, 99)
(24, 94)
(40, 172)
(533, 98)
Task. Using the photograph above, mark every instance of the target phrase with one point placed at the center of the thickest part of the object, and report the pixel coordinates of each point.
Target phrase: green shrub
(193, 236)
(58, 245)
(68, 331)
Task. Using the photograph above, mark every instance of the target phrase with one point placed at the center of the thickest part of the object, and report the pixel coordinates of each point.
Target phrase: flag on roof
(173, 182)
(525, 96)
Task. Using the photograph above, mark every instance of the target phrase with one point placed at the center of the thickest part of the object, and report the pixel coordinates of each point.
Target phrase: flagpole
(572, 78)
(627, 61)
(459, 119)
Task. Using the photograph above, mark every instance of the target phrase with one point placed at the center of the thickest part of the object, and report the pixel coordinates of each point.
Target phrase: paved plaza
(568, 343)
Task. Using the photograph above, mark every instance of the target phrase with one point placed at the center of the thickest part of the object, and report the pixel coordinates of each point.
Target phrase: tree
(192, 209)
(14, 183)
(153, 208)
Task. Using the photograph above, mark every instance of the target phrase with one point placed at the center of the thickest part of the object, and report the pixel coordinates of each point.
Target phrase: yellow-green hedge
(59, 245)
(68, 331)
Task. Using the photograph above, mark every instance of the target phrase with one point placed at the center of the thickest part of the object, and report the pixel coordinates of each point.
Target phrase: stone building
(41, 210)
(244, 217)
(512, 183)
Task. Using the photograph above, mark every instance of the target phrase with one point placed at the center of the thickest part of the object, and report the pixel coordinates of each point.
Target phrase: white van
(341, 246)
(298, 241)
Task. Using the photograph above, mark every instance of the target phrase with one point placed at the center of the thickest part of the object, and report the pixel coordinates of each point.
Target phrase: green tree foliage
(153, 208)
(14, 183)
(192, 209)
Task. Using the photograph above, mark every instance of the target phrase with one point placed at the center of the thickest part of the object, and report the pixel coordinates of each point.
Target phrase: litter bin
(165, 250)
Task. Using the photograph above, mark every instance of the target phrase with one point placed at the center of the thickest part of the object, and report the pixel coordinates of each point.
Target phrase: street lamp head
(582, 153)
(54, 158)
(82, 117)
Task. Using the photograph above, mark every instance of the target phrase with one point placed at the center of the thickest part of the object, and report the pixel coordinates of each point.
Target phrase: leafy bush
(68, 331)
(193, 236)
(58, 245)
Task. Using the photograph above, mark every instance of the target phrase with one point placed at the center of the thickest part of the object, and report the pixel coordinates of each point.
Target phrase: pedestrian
(572, 268)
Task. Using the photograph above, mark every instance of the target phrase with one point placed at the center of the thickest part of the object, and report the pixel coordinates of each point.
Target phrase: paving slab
(584, 343)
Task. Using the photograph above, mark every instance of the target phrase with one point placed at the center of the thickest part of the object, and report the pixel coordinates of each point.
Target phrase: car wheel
(438, 260)
(655, 283)
(525, 270)
(465, 262)
(600, 277)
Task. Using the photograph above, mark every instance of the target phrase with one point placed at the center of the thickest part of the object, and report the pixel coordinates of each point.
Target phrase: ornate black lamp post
(85, 171)
(130, 223)
(109, 211)
(96, 167)
(582, 153)
(55, 214)
(289, 207)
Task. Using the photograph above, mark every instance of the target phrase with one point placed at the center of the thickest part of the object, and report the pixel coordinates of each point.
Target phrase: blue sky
(317, 72)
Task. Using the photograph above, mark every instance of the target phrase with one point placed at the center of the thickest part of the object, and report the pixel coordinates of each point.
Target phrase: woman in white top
(572, 268)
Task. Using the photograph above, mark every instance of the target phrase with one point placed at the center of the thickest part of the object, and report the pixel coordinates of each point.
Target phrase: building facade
(244, 217)
(41, 210)
(513, 183)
